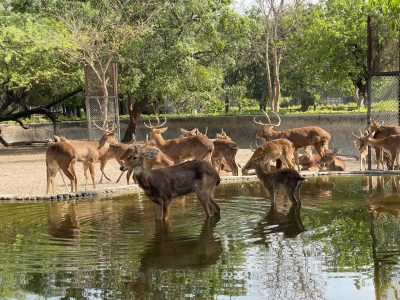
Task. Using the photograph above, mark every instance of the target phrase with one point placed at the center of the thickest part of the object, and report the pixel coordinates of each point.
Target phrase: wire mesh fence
(383, 97)
(102, 114)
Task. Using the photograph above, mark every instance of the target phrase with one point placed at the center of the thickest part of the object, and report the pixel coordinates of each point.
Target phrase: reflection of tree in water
(385, 232)
(288, 272)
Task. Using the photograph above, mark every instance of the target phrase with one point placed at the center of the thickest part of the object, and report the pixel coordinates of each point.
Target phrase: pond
(342, 244)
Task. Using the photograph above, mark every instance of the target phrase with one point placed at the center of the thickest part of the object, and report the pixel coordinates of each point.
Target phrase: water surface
(342, 244)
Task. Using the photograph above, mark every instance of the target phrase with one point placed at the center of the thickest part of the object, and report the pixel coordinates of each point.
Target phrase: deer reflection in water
(63, 220)
(279, 219)
(166, 251)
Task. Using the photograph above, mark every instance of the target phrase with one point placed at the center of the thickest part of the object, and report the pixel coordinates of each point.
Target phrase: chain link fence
(102, 114)
(383, 97)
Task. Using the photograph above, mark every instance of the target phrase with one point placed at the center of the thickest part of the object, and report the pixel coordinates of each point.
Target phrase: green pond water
(344, 243)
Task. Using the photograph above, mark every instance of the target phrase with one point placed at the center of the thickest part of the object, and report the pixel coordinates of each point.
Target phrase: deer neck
(261, 174)
(142, 173)
(159, 140)
(103, 147)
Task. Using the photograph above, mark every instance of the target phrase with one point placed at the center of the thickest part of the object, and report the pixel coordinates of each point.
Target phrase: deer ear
(219, 136)
(183, 131)
(162, 130)
(152, 153)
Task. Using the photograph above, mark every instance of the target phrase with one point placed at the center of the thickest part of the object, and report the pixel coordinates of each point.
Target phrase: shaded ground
(23, 171)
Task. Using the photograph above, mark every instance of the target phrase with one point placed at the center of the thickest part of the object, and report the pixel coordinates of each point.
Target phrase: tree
(33, 70)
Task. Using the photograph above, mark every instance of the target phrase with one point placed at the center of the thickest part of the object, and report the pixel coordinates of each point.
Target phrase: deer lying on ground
(61, 155)
(89, 152)
(381, 132)
(390, 144)
(193, 147)
(273, 181)
(332, 161)
(308, 160)
(282, 149)
(223, 156)
(300, 137)
(363, 152)
(161, 185)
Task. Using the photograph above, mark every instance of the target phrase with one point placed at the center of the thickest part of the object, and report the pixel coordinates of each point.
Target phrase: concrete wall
(241, 128)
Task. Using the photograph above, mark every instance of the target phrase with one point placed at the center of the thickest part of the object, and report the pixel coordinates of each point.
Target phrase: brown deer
(390, 144)
(308, 160)
(225, 150)
(182, 148)
(89, 152)
(159, 161)
(332, 161)
(300, 137)
(161, 185)
(60, 155)
(286, 178)
(282, 149)
(382, 131)
(363, 152)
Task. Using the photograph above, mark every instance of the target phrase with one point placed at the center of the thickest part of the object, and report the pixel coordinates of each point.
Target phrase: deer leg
(51, 174)
(102, 166)
(119, 178)
(158, 210)
(72, 170)
(85, 169)
(92, 174)
(204, 200)
(272, 195)
(296, 159)
(166, 206)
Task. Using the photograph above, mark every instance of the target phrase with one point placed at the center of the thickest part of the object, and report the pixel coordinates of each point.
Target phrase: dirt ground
(23, 171)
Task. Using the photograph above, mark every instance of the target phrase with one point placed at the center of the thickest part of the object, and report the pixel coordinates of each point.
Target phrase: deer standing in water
(161, 185)
(182, 148)
(287, 178)
(60, 155)
(282, 149)
(300, 137)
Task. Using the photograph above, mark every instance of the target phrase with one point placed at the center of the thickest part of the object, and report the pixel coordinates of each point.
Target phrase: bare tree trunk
(134, 111)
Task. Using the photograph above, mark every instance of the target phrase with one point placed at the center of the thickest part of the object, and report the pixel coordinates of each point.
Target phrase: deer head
(267, 127)
(223, 136)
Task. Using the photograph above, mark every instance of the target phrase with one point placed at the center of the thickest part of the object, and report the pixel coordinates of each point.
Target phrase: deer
(282, 149)
(60, 156)
(89, 152)
(308, 160)
(273, 181)
(159, 161)
(300, 137)
(198, 147)
(382, 131)
(332, 161)
(362, 150)
(225, 150)
(390, 144)
(162, 185)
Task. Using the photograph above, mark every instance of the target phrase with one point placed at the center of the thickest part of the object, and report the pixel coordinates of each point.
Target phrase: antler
(158, 125)
(114, 127)
(279, 119)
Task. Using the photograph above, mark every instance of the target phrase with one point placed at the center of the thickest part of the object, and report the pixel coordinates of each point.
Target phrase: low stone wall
(241, 128)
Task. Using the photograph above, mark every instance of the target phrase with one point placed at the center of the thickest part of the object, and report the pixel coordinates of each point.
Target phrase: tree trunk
(134, 111)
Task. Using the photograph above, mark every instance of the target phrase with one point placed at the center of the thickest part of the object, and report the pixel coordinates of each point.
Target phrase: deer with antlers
(300, 137)
(332, 161)
(281, 149)
(225, 150)
(89, 152)
(390, 144)
(60, 156)
(274, 181)
(161, 185)
(182, 148)
(382, 131)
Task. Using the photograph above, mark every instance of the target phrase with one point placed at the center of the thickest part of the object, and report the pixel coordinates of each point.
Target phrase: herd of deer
(167, 168)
